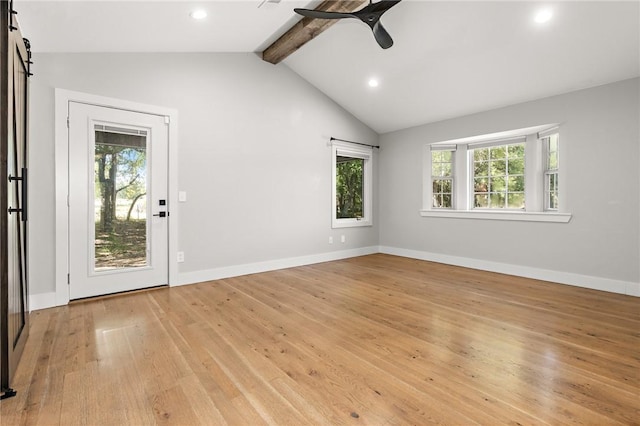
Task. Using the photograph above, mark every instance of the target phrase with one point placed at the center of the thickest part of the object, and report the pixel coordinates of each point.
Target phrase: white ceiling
(154, 26)
(456, 58)
(449, 59)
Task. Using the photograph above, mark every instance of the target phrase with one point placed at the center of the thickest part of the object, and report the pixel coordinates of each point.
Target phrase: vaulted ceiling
(449, 59)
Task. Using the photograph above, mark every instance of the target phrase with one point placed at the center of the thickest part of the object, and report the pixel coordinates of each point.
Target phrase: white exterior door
(118, 205)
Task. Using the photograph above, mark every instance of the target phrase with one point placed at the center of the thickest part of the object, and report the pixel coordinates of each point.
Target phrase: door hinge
(68, 200)
(68, 279)
(167, 119)
(67, 122)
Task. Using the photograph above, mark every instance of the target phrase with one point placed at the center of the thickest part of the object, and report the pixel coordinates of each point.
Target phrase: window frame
(345, 149)
(452, 178)
(548, 171)
(471, 172)
(535, 167)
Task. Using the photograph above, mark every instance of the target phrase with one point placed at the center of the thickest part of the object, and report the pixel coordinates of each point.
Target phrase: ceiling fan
(370, 15)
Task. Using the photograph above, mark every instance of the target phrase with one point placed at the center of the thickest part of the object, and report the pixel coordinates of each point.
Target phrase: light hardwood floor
(378, 340)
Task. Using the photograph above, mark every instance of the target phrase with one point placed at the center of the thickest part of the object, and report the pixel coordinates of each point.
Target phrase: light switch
(182, 196)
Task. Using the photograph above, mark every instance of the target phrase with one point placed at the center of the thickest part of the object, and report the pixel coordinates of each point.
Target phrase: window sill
(350, 223)
(499, 215)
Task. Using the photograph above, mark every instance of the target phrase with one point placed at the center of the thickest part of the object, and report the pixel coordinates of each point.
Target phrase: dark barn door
(14, 311)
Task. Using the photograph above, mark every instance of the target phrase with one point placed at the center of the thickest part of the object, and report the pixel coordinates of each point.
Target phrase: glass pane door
(120, 198)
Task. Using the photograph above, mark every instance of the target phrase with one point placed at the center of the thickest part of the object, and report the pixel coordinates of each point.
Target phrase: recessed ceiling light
(198, 14)
(373, 82)
(543, 16)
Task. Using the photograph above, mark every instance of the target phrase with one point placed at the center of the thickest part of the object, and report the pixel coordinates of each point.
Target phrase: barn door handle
(24, 194)
(22, 178)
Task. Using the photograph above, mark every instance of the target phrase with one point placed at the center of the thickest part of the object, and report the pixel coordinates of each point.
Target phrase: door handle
(23, 194)
(161, 214)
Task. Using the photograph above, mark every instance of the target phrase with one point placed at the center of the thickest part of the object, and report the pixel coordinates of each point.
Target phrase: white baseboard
(48, 300)
(633, 289)
(42, 301)
(185, 278)
(586, 281)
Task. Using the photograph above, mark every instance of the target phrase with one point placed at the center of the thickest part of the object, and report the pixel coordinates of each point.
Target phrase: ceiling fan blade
(370, 15)
(319, 14)
(381, 7)
(382, 36)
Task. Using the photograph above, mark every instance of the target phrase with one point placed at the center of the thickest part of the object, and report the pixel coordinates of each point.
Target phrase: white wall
(254, 160)
(253, 155)
(600, 163)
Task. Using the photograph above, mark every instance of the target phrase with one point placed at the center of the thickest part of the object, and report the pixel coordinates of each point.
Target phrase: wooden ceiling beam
(307, 29)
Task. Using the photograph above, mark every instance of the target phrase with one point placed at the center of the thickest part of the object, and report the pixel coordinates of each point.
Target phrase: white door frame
(62, 99)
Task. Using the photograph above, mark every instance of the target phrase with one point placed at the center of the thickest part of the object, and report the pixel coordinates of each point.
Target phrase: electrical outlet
(330, 240)
(343, 238)
(180, 256)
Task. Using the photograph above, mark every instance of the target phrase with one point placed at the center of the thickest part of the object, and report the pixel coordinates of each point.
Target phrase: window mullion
(461, 179)
(533, 169)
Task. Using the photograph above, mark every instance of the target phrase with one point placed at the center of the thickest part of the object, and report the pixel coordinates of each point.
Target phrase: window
(510, 175)
(442, 178)
(551, 145)
(498, 177)
(352, 185)
(349, 187)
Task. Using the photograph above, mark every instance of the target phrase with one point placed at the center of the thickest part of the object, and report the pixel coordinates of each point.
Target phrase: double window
(503, 172)
(352, 185)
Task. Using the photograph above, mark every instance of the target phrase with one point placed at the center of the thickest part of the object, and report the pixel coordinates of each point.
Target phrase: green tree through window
(442, 178)
(498, 177)
(349, 187)
(120, 186)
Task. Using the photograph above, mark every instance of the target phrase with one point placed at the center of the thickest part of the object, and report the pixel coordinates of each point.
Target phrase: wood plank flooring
(378, 340)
